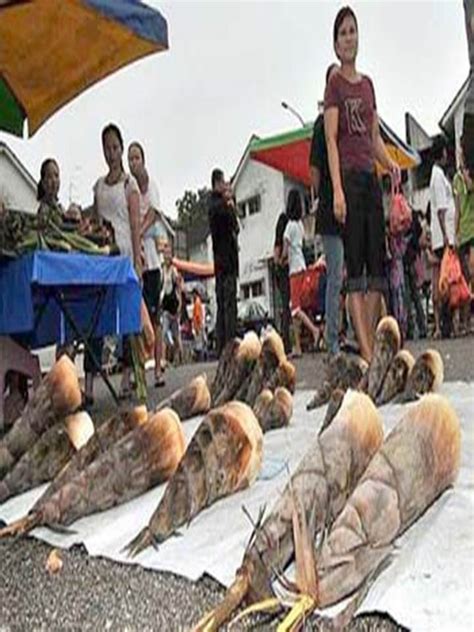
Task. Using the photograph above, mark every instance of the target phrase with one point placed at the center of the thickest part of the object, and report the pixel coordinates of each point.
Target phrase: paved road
(96, 594)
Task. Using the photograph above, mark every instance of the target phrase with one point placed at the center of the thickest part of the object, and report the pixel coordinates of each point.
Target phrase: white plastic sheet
(428, 586)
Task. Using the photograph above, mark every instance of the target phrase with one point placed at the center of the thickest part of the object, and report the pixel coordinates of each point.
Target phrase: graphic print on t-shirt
(354, 115)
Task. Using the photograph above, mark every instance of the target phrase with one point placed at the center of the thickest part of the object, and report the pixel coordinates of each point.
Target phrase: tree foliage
(192, 207)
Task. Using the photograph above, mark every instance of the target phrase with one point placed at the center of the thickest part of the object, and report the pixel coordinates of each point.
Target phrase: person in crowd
(397, 245)
(354, 144)
(463, 187)
(328, 227)
(293, 251)
(47, 194)
(468, 119)
(442, 221)
(224, 233)
(199, 327)
(282, 278)
(414, 276)
(149, 214)
(171, 306)
(48, 190)
(117, 200)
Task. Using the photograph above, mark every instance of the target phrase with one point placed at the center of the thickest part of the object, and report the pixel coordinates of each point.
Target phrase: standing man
(328, 227)
(468, 123)
(224, 232)
(442, 220)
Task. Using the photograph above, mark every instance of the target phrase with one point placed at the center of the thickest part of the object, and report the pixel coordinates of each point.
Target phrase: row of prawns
(135, 450)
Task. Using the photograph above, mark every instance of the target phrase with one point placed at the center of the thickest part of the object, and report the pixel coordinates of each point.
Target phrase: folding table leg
(85, 340)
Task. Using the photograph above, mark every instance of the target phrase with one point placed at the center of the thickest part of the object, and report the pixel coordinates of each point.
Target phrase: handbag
(400, 211)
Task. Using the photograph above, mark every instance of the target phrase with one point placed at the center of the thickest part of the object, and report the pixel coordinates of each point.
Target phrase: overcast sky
(229, 66)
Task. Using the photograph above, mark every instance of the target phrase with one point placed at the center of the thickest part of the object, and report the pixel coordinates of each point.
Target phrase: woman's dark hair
(111, 127)
(294, 208)
(139, 147)
(40, 193)
(342, 14)
(329, 71)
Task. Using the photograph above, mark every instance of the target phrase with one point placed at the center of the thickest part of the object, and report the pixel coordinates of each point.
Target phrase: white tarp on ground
(429, 585)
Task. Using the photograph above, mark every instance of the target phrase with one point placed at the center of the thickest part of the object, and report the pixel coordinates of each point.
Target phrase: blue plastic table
(50, 297)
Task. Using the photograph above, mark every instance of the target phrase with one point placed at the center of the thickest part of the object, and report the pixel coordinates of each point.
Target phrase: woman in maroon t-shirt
(354, 144)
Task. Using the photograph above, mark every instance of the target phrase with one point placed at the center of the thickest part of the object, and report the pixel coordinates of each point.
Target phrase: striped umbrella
(52, 50)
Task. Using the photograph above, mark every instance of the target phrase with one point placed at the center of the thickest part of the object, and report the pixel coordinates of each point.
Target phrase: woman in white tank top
(116, 199)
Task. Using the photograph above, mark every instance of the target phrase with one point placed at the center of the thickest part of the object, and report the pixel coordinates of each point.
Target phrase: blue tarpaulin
(28, 283)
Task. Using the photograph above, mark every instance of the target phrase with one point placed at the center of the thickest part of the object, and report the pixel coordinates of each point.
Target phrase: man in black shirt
(328, 227)
(224, 232)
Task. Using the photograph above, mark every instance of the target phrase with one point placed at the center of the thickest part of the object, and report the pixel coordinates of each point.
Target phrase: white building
(17, 185)
(451, 124)
(261, 194)
(452, 120)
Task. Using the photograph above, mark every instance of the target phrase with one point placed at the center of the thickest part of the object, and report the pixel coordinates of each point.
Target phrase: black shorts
(152, 291)
(364, 232)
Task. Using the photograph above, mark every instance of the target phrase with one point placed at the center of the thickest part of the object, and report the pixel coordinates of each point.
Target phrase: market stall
(51, 297)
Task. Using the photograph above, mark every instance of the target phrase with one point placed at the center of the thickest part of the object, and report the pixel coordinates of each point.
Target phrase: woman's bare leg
(297, 334)
(358, 309)
(374, 313)
(308, 323)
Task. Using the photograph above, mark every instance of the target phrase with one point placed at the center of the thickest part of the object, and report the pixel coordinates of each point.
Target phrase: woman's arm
(149, 219)
(284, 252)
(331, 124)
(381, 153)
(134, 215)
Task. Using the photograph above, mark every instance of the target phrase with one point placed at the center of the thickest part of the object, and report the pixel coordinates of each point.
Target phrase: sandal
(159, 381)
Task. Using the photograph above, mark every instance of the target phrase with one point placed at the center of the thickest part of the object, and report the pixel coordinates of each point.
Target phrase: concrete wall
(15, 192)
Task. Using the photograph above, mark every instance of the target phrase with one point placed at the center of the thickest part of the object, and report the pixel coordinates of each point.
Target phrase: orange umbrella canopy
(52, 50)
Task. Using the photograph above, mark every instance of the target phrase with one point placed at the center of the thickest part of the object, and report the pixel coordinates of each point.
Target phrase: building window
(254, 204)
(245, 290)
(252, 290)
(257, 288)
(241, 210)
